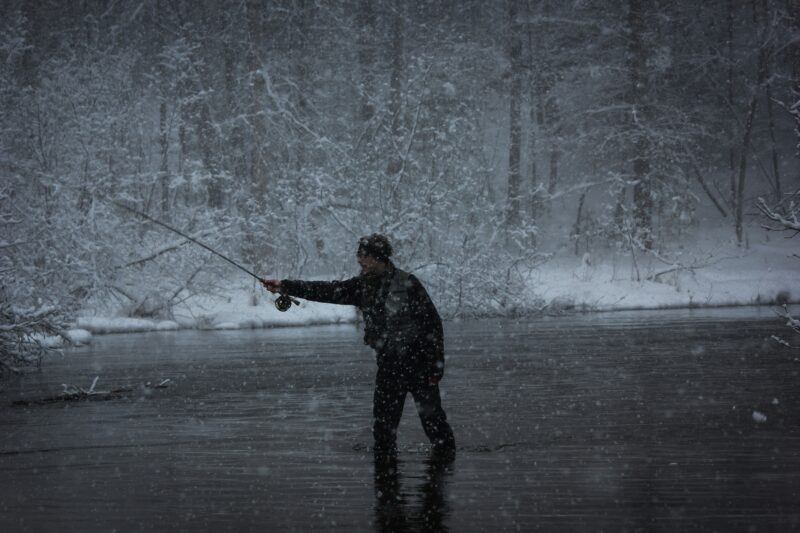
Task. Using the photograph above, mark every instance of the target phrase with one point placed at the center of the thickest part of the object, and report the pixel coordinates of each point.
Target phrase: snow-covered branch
(171, 247)
(678, 266)
(791, 321)
(574, 188)
(785, 222)
(25, 334)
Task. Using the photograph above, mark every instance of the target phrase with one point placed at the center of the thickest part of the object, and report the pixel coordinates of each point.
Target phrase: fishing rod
(282, 303)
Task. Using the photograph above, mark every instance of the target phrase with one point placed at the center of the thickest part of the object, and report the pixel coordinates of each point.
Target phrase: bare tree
(642, 188)
(739, 198)
(513, 203)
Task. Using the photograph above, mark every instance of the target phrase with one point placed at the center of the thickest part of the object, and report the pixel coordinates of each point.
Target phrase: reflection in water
(394, 514)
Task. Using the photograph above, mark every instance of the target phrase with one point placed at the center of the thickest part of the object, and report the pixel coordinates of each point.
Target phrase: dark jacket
(400, 321)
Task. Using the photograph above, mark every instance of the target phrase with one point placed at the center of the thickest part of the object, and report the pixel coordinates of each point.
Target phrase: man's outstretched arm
(345, 292)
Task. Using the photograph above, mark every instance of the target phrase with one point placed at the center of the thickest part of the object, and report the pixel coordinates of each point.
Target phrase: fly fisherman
(403, 327)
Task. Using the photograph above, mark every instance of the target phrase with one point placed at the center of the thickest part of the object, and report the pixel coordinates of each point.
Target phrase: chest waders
(401, 371)
(400, 331)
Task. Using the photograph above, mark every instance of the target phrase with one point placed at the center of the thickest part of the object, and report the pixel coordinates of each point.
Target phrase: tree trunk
(366, 59)
(36, 41)
(183, 146)
(236, 163)
(515, 130)
(769, 62)
(732, 149)
(396, 81)
(642, 194)
(206, 134)
(577, 229)
(256, 168)
(794, 55)
(748, 129)
(534, 85)
(739, 198)
(776, 173)
(205, 131)
(301, 35)
(163, 174)
(555, 149)
(395, 164)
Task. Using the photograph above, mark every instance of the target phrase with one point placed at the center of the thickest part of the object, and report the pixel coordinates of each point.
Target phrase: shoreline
(149, 326)
(766, 275)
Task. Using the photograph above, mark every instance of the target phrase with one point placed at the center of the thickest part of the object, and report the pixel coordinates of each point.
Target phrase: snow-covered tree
(282, 132)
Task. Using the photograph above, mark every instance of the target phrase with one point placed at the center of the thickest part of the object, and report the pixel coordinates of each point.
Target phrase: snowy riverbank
(708, 275)
(765, 274)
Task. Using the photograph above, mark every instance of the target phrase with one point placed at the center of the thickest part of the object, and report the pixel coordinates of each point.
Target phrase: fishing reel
(284, 302)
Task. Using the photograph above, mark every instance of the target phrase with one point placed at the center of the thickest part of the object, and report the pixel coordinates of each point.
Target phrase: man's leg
(387, 408)
(433, 417)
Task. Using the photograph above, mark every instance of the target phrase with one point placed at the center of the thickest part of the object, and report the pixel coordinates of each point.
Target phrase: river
(680, 420)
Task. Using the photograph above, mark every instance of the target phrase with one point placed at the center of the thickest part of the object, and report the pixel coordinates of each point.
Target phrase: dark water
(609, 422)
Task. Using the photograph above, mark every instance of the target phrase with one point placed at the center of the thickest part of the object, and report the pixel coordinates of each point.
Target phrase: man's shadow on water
(394, 513)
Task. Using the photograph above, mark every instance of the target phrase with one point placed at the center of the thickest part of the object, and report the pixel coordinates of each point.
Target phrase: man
(403, 327)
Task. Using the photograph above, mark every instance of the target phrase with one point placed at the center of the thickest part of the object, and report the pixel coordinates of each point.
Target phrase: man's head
(373, 253)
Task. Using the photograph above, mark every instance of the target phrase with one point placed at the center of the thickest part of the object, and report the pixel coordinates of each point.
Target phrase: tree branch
(789, 222)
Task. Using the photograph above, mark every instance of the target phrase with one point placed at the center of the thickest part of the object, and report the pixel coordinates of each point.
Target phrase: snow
(241, 309)
(763, 274)
(724, 275)
(48, 341)
(78, 337)
(248, 308)
(123, 324)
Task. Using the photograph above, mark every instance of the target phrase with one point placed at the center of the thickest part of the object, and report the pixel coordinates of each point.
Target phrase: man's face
(369, 265)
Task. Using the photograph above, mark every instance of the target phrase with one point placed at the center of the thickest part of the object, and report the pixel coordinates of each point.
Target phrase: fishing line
(282, 303)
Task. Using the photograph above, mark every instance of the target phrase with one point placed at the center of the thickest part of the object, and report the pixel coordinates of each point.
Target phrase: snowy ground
(711, 272)
(723, 276)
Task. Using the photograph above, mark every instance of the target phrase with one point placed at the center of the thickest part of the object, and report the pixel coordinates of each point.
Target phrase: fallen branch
(780, 341)
(791, 321)
(788, 222)
(675, 266)
(76, 396)
(73, 393)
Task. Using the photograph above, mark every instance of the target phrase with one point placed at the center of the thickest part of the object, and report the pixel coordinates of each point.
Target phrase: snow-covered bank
(124, 324)
(248, 307)
(75, 336)
(706, 275)
(765, 274)
(240, 309)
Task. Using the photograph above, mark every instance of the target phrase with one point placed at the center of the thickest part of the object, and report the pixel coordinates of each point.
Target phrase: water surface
(635, 421)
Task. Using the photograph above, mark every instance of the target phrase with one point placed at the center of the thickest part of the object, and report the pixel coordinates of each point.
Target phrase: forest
(480, 136)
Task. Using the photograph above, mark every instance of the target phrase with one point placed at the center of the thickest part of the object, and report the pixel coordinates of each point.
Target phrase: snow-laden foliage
(25, 335)
(279, 134)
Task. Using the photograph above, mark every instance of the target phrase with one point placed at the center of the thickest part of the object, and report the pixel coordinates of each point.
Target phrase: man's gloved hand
(272, 285)
(435, 374)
